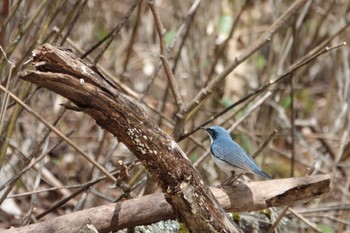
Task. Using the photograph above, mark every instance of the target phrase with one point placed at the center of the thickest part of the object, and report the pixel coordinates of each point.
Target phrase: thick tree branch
(154, 208)
(60, 71)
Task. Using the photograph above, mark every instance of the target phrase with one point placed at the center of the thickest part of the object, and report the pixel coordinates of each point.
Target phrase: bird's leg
(227, 181)
(231, 179)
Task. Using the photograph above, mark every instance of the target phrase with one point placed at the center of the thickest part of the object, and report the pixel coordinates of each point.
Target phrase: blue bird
(229, 156)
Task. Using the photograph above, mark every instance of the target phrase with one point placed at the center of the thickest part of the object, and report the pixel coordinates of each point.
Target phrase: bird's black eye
(212, 133)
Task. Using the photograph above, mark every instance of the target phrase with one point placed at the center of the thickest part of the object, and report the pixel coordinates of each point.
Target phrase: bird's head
(217, 132)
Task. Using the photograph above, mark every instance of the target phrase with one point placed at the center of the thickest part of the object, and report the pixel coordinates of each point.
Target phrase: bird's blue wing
(234, 154)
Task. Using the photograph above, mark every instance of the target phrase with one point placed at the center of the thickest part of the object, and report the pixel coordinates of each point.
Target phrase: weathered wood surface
(153, 208)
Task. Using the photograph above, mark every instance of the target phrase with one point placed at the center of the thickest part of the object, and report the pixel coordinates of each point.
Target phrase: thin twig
(6, 98)
(174, 87)
(184, 27)
(292, 109)
(74, 21)
(323, 18)
(307, 222)
(68, 18)
(278, 220)
(180, 36)
(265, 143)
(14, 9)
(131, 41)
(184, 31)
(128, 192)
(220, 49)
(162, 106)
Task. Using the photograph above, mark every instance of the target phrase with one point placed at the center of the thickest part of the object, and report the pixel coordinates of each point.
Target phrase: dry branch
(62, 72)
(153, 208)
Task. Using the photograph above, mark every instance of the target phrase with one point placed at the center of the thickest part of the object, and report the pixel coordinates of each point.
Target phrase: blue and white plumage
(229, 156)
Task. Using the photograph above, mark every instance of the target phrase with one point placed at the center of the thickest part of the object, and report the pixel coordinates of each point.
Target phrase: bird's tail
(263, 174)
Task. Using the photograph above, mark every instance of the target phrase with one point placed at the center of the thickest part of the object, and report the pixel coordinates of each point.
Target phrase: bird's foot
(229, 181)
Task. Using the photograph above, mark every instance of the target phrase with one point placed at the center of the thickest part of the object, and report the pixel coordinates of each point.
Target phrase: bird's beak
(203, 128)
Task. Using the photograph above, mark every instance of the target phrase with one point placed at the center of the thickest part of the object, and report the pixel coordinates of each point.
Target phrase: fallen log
(153, 208)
